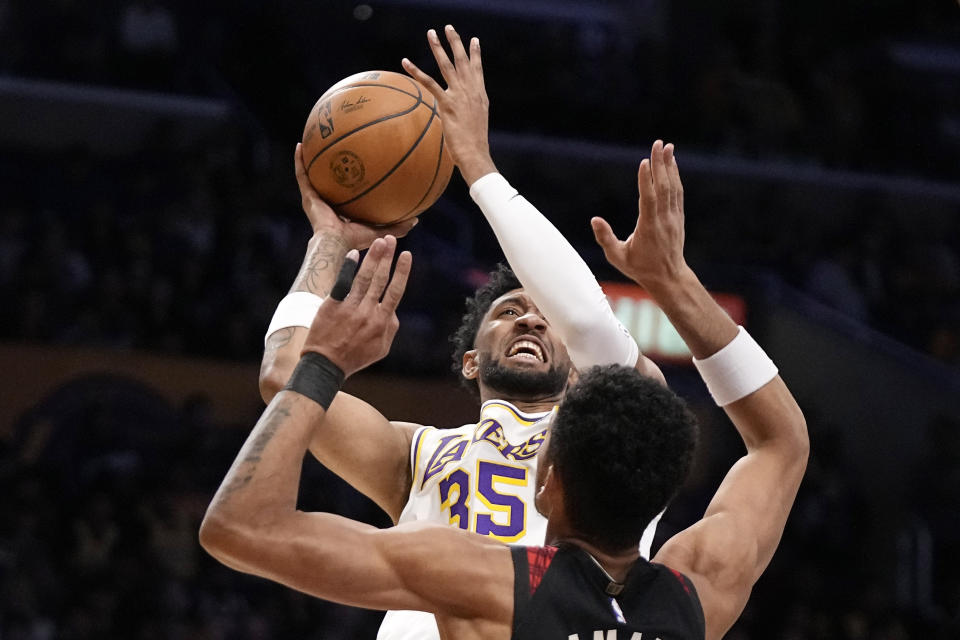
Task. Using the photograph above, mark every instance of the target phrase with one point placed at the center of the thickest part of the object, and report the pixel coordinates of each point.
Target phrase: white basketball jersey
(480, 477)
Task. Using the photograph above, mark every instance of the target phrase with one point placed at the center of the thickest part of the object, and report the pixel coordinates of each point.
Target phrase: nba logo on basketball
(347, 169)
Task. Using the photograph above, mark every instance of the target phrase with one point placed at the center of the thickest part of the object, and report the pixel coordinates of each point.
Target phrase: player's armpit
(370, 453)
(719, 575)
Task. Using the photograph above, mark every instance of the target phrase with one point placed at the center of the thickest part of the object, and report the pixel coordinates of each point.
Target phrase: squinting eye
(510, 312)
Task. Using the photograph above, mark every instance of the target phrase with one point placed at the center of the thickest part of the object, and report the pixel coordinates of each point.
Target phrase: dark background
(148, 207)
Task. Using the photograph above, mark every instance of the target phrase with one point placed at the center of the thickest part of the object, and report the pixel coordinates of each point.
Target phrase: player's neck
(561, 532)
(616, 565)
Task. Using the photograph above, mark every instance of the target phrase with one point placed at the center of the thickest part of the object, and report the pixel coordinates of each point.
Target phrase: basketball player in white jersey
(619, 447)
(522, 339)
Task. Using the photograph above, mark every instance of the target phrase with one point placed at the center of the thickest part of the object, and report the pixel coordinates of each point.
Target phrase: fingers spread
(476, 63)
(398, 284)
(417, 74)
(661, 182)
(602, 232)
(381, 274)
(613, 248)
(345, 278)
(648, 197)
(456, 46)
(361, 283)
(447, 69)
(674, 172)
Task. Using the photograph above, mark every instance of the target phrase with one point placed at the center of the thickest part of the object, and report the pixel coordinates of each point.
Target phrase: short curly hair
(622, 445)
(502, 280)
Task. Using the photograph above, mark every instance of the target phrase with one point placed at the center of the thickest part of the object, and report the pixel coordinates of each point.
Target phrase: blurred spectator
(106, 546)
(148, 39)
(146, 27)
(935, 495)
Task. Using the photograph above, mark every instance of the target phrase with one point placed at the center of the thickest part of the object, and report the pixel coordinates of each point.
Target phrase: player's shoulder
(408, 428)
(425, 438)
(438, 431)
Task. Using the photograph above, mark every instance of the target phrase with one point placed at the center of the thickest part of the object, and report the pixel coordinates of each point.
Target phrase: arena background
(150, 222)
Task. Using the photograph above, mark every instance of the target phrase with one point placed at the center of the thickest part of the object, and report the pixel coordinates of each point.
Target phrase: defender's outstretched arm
(725, 552)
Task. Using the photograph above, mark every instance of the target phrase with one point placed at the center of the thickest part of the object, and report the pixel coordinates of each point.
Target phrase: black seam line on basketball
(369, 124)
(433, 181)
(436, 172)
(433, 114)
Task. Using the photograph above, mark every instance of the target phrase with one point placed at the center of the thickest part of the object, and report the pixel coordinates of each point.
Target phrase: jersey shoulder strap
(529, 566)
(416, 446)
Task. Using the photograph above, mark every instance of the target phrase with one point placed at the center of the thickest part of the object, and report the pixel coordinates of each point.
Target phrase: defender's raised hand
(653, 253)
(324, 219)
(463, 105)
(358, 331)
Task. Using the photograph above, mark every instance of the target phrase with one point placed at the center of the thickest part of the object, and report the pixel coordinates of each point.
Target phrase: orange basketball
(373, 148)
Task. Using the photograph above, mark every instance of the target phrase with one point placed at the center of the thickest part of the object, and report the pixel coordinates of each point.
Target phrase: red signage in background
(649, 325)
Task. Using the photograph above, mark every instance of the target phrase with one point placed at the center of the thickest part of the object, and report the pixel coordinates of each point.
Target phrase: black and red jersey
(561, 593)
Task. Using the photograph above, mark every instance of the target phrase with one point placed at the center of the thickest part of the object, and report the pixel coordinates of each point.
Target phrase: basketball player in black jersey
(619, 449)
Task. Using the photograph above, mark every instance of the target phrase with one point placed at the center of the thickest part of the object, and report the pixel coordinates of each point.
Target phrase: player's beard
(520, 382)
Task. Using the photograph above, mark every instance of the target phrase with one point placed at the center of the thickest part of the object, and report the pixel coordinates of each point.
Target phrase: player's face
(517, 351)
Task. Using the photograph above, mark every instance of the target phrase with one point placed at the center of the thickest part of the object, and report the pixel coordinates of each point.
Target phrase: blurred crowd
(187, 247)
(186, 253)
(766, 80)
(106, 483)
(190, 252)
(105, 488)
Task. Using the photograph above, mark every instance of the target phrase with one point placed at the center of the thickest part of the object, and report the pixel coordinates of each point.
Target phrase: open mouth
(526, 350)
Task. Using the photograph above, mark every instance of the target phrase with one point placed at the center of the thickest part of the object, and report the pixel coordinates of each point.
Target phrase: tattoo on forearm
(279, 339)
(247, 469)
(236, 483)
(272, 423)
(314, 276)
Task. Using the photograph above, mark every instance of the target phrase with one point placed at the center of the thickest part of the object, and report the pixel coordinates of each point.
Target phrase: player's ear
(546, 493)
(471, 365)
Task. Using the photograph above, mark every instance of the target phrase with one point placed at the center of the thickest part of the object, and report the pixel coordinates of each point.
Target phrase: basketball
(373, 148)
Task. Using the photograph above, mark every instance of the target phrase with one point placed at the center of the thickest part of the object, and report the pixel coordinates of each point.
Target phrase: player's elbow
(226, 539)
(273, 378)
(781, 430)
(215, 534)
(798, 438)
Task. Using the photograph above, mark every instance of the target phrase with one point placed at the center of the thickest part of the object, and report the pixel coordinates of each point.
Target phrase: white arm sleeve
(556, 277)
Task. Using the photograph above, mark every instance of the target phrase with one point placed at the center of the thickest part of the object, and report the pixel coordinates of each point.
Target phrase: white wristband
(297, 309)
(737, 370)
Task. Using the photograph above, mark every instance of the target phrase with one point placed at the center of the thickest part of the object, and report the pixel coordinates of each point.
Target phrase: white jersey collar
(491, 408)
